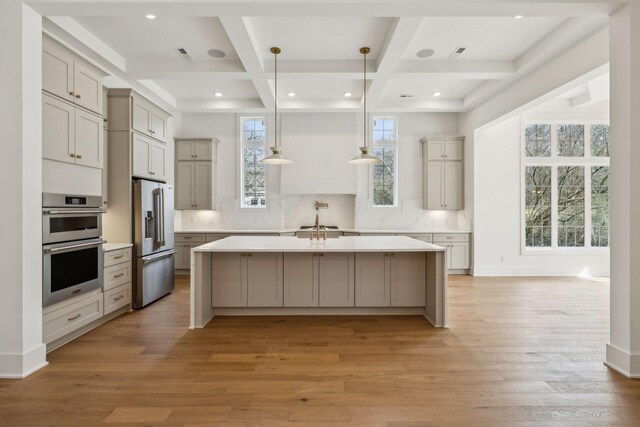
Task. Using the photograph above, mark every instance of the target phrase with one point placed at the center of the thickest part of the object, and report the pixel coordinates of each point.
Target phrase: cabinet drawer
(451, 237)
(117, 257)
(189, 237)
(117, 298)
(116, 275)
(214, 237)
(67, 319)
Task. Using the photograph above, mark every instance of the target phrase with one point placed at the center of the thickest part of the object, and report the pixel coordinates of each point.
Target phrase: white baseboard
(626, 363)
(20, 365)
(532, 271)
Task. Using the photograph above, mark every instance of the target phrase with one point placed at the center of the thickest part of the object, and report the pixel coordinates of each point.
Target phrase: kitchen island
(274, 275)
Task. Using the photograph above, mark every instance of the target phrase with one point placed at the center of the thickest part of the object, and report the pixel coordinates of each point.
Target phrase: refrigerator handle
(161, 212)
(158, 223)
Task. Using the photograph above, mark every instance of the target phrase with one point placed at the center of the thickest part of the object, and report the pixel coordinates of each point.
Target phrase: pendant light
(364, 158)
(275, 158)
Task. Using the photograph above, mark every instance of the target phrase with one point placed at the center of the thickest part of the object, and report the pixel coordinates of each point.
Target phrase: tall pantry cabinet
(443, 173)
(195, 173)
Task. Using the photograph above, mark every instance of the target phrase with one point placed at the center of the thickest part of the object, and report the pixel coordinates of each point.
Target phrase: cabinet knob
(249, 255)
(321, 254)
(78, 96)
(393, 254)
(72, 155)
(71, 93)
(78, 156)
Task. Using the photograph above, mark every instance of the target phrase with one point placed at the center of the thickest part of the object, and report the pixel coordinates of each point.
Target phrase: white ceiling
(320, 44)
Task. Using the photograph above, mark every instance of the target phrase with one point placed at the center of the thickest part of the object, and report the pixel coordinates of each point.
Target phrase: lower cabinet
(394, 279)
(117, 298)
(457, 246)
(247, 279)
(319, 280)
(63, 321)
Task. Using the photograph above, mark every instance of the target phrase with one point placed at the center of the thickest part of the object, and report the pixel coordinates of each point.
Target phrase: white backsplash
(299, 210)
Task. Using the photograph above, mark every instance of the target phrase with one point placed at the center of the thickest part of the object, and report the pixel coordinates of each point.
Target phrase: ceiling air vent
(406, 96)
(456, 52)
(183, 52)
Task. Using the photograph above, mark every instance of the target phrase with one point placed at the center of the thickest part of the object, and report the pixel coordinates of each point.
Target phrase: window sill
(564, 251)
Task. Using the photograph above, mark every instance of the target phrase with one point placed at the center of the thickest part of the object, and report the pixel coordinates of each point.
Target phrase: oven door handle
(75, 212)
(148, 259)
(66, 248)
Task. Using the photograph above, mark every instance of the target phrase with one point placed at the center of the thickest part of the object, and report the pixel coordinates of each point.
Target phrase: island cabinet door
(264, 279)
(337, 279)
(229, 280)
(301, 280)
(408, 279)
(373, 279)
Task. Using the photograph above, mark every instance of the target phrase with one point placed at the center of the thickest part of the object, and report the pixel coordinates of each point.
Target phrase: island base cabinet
(264, 279)
(372, 280)
(246, 280)
(408, 280)
(301, 280)
(390, 279)
(336, 279)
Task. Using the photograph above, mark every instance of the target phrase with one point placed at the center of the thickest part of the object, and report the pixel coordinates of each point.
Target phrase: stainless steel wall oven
(72, 251)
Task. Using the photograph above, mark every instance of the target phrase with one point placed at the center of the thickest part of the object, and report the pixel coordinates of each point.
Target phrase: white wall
(346, 211)
(497, 225)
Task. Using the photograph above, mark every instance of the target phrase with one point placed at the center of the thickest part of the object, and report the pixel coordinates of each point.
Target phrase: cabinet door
(105, 169)
(141, 111)
(229, 280)
(372, 279)
(453, 149)
(458, 256)
(336, 279)
(202, 185)
(184, 150)
(184, 185)
(158, 127)
(58, 125)
(435, 185)
(57, 72)
(141, 161)
(87, 88)
(264, 279)
(158, 161)
(202, 150)
(300, 280)
(453, 185)
(408, 279)
(89, 138)
(435, 149)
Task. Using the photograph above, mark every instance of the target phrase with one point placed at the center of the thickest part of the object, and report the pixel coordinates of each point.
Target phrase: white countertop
(295, 244)
(107, 247)
(346, 230)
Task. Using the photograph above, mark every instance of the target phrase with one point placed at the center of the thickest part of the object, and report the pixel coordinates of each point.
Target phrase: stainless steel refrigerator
(153, 240)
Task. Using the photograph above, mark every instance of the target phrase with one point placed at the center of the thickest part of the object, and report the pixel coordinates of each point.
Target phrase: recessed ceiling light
(436, 94)
(216, 53)
(425, 53)
(518, 16)
(292, 94)
(150, 16)
(218, 94)
(347, 94)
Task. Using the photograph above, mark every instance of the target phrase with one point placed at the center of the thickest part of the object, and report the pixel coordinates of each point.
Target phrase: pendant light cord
(275, 118)
(364, 92)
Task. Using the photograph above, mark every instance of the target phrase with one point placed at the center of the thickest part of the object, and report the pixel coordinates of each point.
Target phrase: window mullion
(587, 207)
(554, 206)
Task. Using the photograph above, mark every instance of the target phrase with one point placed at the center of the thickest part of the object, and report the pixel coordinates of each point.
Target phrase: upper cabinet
(130, 110)
(195, 173)
(443, 173)
(66, 75)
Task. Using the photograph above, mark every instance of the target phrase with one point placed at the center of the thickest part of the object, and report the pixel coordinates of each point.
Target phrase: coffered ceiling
(320, 59)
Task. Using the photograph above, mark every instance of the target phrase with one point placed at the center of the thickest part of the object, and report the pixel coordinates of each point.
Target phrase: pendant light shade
(364, 158)
(276, 157)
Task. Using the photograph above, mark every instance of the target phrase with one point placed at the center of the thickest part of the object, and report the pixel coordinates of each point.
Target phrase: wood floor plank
(519, 352)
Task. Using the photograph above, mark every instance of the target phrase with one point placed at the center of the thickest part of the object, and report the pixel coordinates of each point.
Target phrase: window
(566, 185)
(384, 178)
(253, 173)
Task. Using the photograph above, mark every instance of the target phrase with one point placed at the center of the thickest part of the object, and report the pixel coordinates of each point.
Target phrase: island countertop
(296, 244)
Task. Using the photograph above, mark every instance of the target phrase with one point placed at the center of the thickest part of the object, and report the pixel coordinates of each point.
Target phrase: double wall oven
(72, 245)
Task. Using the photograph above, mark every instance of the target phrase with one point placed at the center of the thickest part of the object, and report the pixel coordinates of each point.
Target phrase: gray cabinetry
(443, 173)
(195, 174)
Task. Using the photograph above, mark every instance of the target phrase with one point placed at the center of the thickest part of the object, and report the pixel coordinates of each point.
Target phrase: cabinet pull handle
(78, 96)
(78, 156)
(77, 316)
(118, 298)
(118, 256)
(72, 155)
(118, 275)
(71, 93)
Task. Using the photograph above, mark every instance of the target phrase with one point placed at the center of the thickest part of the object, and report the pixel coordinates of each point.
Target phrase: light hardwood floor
(520, 352)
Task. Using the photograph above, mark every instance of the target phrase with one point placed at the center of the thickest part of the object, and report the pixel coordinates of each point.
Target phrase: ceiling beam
(220, 105)
(475, 70)
(400, 34)
(184, 68)
(246, 46)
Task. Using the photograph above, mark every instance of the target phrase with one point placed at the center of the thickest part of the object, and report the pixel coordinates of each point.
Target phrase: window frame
(554, 161)
(240, 162)
(396, 178)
